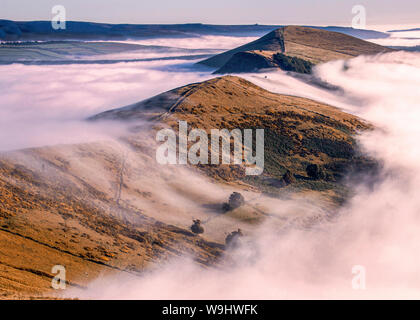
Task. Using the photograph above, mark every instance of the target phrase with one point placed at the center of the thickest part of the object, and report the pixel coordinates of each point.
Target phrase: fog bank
(378, 230)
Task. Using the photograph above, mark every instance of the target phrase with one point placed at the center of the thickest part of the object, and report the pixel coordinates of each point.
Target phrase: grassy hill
(298, 131)
(108, 207)
(308, 44)
(92, 209)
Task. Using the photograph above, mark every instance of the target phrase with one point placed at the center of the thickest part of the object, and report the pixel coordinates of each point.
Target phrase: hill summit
(297, 131)
(292, 48)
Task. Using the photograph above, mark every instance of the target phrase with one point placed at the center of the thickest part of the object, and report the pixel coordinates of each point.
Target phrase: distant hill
(42, 30)
(293, 48)
(405, 30)
(404, 48)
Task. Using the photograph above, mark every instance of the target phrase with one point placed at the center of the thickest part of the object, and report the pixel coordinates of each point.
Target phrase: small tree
(196, 227)
(315, 172)
(236, 200)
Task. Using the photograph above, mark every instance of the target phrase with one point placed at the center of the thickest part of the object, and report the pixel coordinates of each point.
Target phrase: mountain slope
(312, 45)
(61, 206)
(298, 131)
(108, 208)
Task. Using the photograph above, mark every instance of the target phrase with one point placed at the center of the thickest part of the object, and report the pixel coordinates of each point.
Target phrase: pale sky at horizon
(316, 12)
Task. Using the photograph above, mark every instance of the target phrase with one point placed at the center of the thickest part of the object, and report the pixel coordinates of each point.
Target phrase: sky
(315, 12)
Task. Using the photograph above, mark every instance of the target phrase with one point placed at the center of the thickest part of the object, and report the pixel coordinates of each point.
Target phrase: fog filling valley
(44, 105)
(378, 229)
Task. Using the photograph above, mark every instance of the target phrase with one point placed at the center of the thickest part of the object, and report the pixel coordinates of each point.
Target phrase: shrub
(315, 172)
(197, 228)
(236, 200)
(288, 177)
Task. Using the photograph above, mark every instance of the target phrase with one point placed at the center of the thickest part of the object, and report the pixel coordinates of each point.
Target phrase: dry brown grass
(55, 209)
(310, 44)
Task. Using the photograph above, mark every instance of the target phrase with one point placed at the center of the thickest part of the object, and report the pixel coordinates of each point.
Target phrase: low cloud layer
(204, 42)
(378, 230)
(401, 38)
(47, 105)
